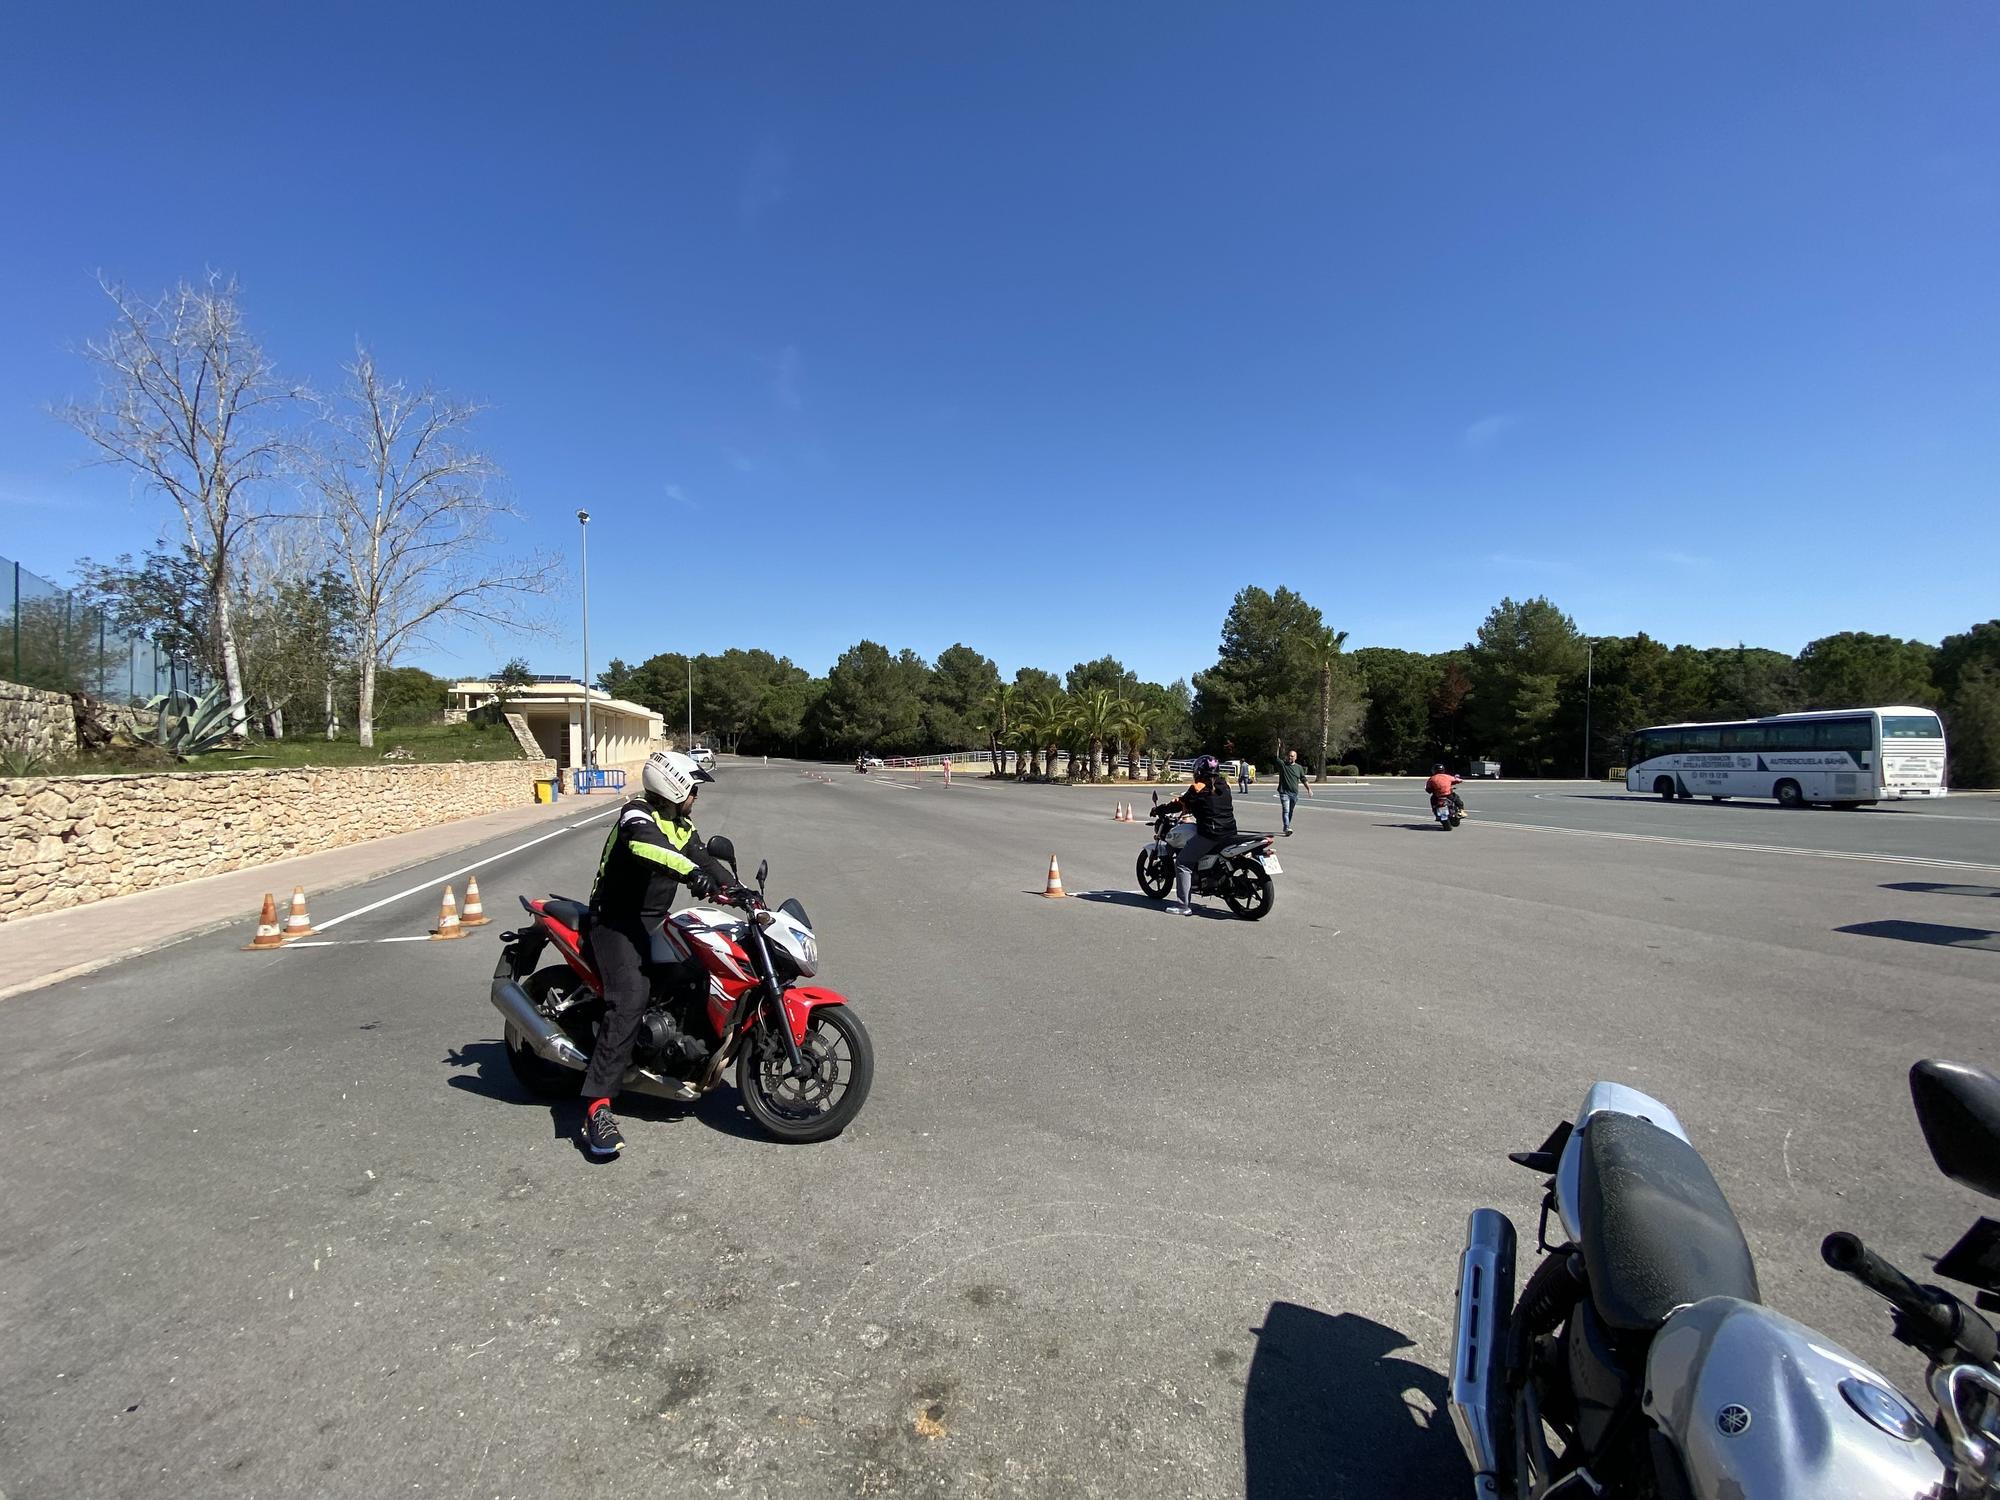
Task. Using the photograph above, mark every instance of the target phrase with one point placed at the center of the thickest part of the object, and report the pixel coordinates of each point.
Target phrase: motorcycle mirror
(723, 848)
(763, 873)
(1959, 1109)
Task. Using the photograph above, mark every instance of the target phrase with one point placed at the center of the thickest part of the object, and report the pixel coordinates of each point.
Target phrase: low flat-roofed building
(552, 707)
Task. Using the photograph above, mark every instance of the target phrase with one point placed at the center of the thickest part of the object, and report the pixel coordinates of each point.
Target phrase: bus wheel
(1664, 785)
(1788, 794)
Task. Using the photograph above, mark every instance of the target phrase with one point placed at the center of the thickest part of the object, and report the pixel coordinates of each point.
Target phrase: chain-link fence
(51, 639)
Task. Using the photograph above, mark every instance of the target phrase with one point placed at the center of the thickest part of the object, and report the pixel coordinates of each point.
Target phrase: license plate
(1271, 865)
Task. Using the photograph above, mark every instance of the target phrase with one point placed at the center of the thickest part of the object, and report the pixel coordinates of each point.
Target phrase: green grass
(425, 742)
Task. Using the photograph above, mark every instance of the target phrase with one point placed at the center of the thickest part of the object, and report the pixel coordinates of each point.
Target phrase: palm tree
(999, 706)
(1323, 651)
(1047, 719)
(1135, 725)
(1098, 714)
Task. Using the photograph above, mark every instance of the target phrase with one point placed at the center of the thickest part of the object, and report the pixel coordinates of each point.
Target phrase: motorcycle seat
(572, 914)
(1657, 1231)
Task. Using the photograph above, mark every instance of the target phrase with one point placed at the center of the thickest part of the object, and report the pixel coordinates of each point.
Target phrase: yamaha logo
(1732, 1420)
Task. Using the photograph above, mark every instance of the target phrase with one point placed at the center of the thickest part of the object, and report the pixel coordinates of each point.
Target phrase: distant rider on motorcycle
(651, 852)
(1208, 799)
(1443, 787)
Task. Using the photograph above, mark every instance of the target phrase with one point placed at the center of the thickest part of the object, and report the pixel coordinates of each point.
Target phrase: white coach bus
(1843, 756)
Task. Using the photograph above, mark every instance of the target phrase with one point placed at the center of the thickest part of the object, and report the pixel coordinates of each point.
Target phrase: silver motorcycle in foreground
(1638, 1360)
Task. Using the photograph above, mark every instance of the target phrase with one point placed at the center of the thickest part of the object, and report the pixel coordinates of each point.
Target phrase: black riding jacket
(646, 857)
(1213, 808)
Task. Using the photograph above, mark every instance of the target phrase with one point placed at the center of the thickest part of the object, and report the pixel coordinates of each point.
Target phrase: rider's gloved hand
(700, 884)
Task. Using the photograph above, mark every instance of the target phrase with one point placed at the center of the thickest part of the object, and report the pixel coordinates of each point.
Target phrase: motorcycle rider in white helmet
(651, 851)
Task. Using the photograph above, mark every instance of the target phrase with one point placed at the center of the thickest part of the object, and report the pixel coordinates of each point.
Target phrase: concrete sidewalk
(45, 947)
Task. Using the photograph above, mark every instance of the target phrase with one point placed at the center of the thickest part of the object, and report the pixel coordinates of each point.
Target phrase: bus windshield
(1911, 727)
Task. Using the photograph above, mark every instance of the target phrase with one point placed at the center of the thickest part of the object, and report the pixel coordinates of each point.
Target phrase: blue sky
(1049, 326)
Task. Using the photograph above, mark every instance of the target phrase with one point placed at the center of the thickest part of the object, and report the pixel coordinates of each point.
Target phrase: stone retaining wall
(34, 722)
(69, 840)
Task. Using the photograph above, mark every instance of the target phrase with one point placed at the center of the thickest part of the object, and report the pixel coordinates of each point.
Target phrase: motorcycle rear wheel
(1156, 874)
(1250, 892)
(820, 1107)
(535, 1073)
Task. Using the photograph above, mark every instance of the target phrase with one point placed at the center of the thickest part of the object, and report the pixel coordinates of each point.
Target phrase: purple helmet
(1206, 767)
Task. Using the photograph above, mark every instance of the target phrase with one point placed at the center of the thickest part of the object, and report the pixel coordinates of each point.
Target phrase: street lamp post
(583, 535)
(1589, 661)
(690, 665)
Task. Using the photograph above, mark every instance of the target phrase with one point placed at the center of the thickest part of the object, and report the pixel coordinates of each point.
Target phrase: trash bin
(545, 789)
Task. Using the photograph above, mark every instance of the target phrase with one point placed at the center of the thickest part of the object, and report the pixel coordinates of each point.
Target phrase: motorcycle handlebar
(1929, 1317)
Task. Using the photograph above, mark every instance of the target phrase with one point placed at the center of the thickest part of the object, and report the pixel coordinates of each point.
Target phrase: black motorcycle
(1239, 871)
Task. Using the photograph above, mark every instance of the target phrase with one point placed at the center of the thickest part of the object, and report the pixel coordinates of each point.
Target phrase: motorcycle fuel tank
(1762, 1408)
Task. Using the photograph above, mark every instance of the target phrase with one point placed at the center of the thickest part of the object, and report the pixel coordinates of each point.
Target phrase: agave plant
(22, 763)
(192, 726)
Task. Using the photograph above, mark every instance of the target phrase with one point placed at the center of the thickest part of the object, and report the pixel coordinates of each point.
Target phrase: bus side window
(1700, 741)
(1843, 734)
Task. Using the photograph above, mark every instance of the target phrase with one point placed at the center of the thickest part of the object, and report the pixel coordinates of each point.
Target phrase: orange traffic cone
(269, 934)
(298, 924)
(475, 914)
(447, 926)
(1055, 880)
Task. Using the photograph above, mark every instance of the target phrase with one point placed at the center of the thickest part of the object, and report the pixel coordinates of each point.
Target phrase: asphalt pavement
(1138, 1206)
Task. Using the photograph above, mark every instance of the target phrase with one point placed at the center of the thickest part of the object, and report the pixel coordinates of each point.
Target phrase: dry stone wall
(37, 723)
(69, 840)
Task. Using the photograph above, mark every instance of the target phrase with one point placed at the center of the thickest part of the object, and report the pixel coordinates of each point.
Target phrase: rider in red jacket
(1444, 786)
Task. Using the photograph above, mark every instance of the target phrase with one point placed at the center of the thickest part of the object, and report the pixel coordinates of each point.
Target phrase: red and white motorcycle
(803, 1059)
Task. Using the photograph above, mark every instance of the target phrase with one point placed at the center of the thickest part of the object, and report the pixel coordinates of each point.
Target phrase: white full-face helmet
(671, 776)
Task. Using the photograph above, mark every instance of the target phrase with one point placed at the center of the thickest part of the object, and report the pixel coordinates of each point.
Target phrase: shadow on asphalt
(1145, 903)
(1937, 934)
(1430, 827)
(1933, 888)
(1328, 1410)
(489, 1076)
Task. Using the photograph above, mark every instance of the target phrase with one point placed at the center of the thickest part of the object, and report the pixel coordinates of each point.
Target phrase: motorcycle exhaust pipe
(1479, 1400)
(553, 1044)
(549, 1040)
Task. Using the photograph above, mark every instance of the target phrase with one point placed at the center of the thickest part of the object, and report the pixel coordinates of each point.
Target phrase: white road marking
(1897, 806)
(422, 937)
(436, 880)
(1475, 820)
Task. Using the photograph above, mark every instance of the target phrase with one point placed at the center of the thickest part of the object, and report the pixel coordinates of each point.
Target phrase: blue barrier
(598, 780)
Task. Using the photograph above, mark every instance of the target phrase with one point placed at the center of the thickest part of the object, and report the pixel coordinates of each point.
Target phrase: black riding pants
(620, 955)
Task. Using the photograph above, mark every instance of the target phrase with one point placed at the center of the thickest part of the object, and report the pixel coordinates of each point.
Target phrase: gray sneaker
(1175, 909)
(601, 1137)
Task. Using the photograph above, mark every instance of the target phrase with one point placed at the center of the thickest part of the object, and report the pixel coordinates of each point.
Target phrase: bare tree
(295, 607)
(187, 399)
(405, 509)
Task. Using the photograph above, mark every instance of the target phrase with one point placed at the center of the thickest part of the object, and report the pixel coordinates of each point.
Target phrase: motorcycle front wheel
(1249, 891)
(817, 1107)
(1156, 874)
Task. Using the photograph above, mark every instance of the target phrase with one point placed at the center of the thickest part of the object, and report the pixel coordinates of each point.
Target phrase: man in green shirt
(1291, 777)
